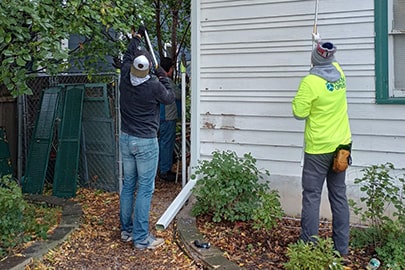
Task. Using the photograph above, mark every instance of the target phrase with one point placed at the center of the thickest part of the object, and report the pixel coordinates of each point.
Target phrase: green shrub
(363, 237)
(230, 189)
(269, 211)
(392, 251)
(313, 256)
(20, 221)
(390, 246)
(12, 206)
(381, 190)
(385, 233)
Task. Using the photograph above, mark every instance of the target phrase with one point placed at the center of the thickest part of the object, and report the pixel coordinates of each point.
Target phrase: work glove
(117, 63)
(141, 30)
(160, 72)
(316, 37)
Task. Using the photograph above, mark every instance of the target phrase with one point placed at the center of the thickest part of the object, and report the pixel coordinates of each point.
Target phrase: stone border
(70, 221)
(212, 258)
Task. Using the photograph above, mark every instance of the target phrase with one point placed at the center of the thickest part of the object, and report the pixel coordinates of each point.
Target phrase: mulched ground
(96, 243)
(266, 249)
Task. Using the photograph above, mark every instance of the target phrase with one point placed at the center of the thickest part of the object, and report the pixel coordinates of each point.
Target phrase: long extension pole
(151, 48)
(149, 44)
(315, 30)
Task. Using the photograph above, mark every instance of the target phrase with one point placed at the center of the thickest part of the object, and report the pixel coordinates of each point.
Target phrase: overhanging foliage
(31, 33)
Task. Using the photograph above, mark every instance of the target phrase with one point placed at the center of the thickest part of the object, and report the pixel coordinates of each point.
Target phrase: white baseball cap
(140, 66)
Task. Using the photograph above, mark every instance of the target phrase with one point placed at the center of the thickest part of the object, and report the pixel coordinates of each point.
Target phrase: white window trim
(391, 75)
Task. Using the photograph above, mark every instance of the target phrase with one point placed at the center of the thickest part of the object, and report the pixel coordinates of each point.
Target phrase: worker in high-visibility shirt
(321, 101)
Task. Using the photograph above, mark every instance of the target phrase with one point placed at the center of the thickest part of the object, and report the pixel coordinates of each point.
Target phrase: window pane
(399, 15)
(399, 61)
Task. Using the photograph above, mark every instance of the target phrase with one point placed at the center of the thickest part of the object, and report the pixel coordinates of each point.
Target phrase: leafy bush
(20, 221)
(230, 189)
(12, 207)
(385, 233)
(313, 256)
(392, 251)
(269, 211)
(381, 191)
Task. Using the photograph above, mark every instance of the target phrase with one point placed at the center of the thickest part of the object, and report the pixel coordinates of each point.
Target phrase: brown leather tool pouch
(342, 158)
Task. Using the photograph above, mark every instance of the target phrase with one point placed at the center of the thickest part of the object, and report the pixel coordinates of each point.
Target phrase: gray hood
(327, 72)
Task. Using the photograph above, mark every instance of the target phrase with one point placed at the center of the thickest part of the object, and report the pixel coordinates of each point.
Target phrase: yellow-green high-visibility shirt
(323, 105)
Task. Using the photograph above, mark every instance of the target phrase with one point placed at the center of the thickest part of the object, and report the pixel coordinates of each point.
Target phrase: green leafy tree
(172, 24)
(31, 33)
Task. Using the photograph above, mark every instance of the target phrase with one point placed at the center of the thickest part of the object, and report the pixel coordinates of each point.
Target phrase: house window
(390, 51)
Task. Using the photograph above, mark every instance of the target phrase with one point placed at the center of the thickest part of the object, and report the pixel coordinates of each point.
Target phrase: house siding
(252, 56)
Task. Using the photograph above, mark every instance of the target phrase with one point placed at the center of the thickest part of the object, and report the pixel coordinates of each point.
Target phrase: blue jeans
(140, 161)
(316, 169)
(167, 139)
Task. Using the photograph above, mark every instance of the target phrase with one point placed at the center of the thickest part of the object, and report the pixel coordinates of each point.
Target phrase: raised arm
(134, 44)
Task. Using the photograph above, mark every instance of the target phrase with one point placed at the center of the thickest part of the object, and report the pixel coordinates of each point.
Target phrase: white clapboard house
(248, 57)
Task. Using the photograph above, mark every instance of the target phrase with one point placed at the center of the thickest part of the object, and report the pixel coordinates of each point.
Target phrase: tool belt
(342, 158)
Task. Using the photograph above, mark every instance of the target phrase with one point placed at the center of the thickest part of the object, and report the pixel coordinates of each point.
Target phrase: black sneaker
(168, 176)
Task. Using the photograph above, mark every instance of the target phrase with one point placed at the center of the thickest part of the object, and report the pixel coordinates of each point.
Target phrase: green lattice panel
(67, 158)
(38, 154)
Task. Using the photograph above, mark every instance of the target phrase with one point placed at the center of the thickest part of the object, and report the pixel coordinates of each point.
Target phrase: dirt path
(96, 243)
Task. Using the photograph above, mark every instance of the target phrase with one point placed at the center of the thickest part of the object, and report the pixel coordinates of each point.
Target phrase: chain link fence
(99, 149)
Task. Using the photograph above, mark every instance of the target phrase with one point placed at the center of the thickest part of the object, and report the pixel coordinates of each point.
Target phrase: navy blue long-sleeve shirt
(139, 105)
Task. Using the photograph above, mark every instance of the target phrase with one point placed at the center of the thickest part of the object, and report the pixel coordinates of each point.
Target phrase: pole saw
(149, 44)
(316, 38)
(315, 35)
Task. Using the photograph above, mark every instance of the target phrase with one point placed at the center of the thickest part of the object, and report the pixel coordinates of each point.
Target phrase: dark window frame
(382, 54)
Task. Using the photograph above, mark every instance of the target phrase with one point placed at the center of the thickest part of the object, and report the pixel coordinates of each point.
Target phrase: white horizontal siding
(264, 123)
(252, 56)
(267, 158)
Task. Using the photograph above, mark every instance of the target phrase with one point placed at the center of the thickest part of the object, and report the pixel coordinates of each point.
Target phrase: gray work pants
(317, 168)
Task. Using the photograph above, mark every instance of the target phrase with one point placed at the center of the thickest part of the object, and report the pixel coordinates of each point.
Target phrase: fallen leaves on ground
(264, 249)
(96, 244)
